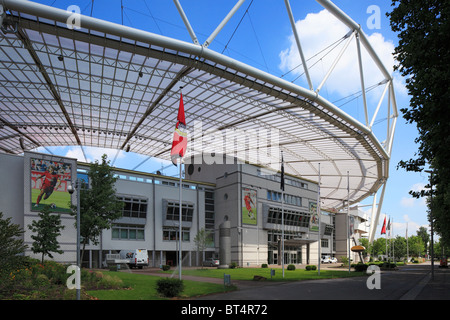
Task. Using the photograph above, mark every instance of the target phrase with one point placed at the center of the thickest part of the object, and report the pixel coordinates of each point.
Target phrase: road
(406, 283)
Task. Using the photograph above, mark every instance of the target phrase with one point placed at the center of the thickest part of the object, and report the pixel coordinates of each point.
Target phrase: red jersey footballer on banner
(50, 182)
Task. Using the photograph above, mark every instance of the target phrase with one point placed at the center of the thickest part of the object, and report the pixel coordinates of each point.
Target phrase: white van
(135, 258)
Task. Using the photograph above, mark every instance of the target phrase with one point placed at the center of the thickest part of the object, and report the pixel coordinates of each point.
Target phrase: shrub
(166, 267)
(41, 280)
(168, 287)
(388, 265)
(264, 265)
(113, 267)
(233, 265)
(291, 267)
(108, 281)
(311, 267)
(360, 267)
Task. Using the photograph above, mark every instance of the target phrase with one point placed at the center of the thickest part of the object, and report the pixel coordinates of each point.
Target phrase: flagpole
(348, 220)
(393, 241)
(282, 231)
(180, 253)
(385, 236)
(282, 213)
(407, 248)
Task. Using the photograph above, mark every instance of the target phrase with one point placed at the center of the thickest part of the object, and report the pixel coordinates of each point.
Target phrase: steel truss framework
(112, 86)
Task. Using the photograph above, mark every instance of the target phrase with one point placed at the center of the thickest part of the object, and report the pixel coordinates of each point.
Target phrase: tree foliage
(12, 246)
(48, 229)
(99, 206)
(423, 57)
(202, 240)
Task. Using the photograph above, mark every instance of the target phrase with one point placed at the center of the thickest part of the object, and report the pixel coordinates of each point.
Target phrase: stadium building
(247, 195)
(75, 80)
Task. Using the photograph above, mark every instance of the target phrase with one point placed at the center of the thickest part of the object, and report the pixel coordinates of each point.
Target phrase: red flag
(179, 143)
(383, 229)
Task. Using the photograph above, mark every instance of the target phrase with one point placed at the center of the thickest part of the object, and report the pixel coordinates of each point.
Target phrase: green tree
(416, 246)
(399, 248)
(423, 57)
(99, 206)
(423, 234)
(48, 229)
(202, 240)
(12, 247)
(365, 243)
(379, 247)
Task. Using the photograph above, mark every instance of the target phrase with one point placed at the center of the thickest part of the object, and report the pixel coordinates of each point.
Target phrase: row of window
(267, 174)
(172, 234)
(209, 217)
(288, 199)
(128, 232)
(136, 232)
(291, 217)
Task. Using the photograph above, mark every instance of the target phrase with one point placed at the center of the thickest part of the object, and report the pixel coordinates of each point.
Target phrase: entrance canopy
(112, 86)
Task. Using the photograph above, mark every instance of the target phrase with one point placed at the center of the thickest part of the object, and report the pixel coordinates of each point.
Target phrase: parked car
(211, 262)
(328, 259)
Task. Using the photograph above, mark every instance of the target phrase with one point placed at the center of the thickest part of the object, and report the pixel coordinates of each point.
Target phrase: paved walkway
(411, 282)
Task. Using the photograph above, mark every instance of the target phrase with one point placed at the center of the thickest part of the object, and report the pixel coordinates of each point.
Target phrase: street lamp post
(70, 189)
(431, 222)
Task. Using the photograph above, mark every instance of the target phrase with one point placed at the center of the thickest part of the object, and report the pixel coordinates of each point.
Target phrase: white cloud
(93, 154)
(408, 202)
(75, 153)
(319, 30)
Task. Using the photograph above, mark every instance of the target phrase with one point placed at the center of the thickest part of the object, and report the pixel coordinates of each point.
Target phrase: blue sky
(263, 39)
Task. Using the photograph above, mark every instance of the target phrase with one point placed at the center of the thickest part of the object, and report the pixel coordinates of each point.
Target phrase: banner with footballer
(249, 212)
(49, 181)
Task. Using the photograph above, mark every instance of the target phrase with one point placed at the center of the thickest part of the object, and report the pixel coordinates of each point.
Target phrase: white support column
(374, 222)
(379, 104)
(297, 39)
(186, 22)
(335, 62)
(361, 75)
(223, 23)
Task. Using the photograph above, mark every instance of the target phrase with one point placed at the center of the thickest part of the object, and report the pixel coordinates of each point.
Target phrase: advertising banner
(249, 212)
(49, 185)
(314, 222)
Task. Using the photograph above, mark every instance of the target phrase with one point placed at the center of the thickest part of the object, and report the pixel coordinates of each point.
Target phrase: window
(133, 207)
(173, 210)
(127, 232)
(291, 217)
(328, 229)
(288, 199)
(171, 234)
(209, 216)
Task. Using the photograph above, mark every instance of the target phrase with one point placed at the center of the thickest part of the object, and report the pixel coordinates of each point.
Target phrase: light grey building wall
(11, 188)
(247, 196)
(258, 241)
(18, 193)
(155, 229)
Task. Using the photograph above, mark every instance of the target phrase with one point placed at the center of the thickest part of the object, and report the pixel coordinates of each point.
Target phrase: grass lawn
(143, 287)
(289, 275)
